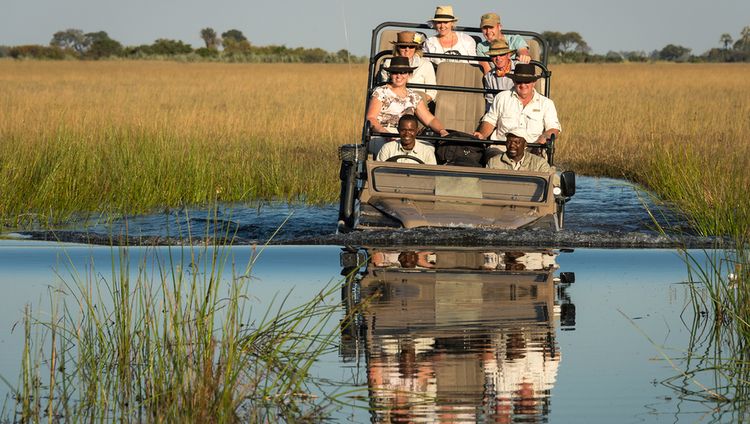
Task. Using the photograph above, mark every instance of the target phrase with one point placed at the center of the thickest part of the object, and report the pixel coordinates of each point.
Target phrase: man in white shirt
(521, 107)
(408, 145)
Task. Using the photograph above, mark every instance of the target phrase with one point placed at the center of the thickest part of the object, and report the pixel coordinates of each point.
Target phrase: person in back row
(448, 41)
(409, 44)
(516, 157)
(497, 78)
(391, 101)
(520, 107)
(408, 145)
(492, 30)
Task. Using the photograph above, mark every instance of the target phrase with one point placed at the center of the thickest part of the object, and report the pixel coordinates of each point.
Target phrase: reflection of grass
(167, 344)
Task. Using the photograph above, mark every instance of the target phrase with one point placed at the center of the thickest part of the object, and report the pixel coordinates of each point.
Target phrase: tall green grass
(174, 341)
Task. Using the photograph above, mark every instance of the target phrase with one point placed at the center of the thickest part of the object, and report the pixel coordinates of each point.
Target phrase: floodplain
(649, 338)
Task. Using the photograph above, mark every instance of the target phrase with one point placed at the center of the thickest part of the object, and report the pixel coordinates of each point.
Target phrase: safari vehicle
(377, 195)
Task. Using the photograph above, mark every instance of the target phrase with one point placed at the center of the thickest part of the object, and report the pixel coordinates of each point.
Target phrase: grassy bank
(131, 136)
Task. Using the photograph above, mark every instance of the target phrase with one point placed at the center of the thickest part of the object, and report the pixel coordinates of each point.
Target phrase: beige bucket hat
(444, 14)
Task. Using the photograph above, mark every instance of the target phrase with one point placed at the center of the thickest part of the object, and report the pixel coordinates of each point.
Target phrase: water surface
(490, 334)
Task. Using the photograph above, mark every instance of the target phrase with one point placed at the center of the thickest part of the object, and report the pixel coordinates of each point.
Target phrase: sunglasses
(399, 72)
(407, 47)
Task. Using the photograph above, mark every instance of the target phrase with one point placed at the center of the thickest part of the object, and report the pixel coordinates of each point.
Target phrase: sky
(619, 25)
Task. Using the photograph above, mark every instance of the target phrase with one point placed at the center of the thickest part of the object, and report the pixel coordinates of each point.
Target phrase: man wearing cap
(407, 144)
(521, 107)
(409, 44)
(497, 78)
(516, 157)
(492, 30)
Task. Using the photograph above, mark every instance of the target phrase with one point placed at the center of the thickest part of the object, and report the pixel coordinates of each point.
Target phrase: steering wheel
(397, 157)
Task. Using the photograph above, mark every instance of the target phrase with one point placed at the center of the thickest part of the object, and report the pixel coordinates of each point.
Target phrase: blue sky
(336, 24)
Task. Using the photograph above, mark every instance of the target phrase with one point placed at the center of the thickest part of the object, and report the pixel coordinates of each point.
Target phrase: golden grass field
(129, 136)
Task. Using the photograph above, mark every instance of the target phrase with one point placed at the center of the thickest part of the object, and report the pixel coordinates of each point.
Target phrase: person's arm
(551, 123)
(373, 110)
(523, 55)
(429, 119)
(547, 134)
(428, 73)
(485, 129)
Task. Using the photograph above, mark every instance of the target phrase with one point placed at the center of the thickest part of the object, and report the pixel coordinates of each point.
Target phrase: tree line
(571, 47)
(232, 46)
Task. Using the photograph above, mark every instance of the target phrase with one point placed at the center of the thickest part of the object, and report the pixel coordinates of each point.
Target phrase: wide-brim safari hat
(400, 64)
(444, 14)
(408, 38)
(499, 47)
(524, 72)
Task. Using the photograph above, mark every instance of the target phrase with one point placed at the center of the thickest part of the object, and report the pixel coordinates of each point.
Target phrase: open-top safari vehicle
(388, 194)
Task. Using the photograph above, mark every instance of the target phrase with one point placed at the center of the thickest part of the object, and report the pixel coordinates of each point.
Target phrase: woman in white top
(448, 41)
(409, 44)
(391, 101)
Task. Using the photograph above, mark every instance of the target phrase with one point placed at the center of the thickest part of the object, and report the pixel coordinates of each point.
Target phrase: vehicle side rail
(546, 73)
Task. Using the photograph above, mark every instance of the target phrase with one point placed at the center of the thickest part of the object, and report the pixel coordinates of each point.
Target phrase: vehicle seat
(459, 111)
(535, 51)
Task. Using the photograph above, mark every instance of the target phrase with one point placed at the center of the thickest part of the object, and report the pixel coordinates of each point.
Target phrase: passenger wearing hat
(492, 30)
(409, 44)
(516, 157)
(497, 78)
(448, 41)
(521, 107)
(391, 101)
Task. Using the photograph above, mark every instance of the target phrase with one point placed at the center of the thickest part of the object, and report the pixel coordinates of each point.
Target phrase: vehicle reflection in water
(456, 335)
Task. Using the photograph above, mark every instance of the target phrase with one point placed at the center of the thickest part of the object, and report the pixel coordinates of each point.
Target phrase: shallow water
(603, 213)
(484, 335)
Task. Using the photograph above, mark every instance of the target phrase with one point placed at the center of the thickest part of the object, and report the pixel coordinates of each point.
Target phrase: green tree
(674, 52)
(554, 39)
(743, 43)
(103, 48)
(71, 38)
(726, 39)
(234, 34)
(234, 47)
(210, 37)
(168, 47)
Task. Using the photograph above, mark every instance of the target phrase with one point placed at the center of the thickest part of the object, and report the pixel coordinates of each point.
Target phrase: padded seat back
(456, 110)
(535, 51)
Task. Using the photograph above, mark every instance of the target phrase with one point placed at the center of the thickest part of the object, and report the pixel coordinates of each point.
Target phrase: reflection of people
(391, 101)
(492, 30)
(409, 44)
(521, 107)
(407, 144)
(516, 157)
(448, 41)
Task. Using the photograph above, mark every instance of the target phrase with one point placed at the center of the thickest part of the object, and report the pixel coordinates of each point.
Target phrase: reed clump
(176, 341)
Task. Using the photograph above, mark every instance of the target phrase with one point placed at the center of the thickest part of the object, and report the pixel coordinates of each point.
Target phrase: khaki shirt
(421, 151)
(529, 162)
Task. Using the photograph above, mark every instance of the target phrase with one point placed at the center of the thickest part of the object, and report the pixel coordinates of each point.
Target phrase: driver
(407, 144)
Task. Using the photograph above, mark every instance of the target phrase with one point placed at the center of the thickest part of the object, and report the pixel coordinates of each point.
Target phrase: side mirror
(568, 183)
